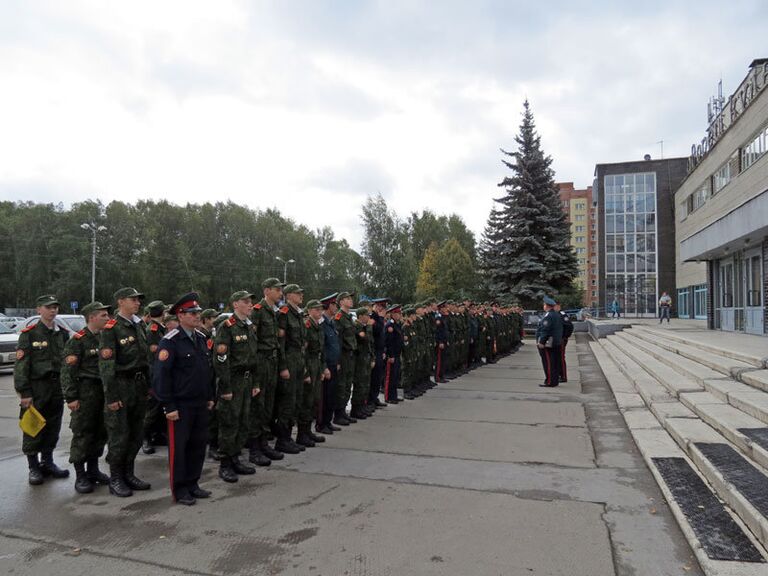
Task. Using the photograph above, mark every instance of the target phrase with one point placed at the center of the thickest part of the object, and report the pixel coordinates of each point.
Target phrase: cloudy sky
(310, 106)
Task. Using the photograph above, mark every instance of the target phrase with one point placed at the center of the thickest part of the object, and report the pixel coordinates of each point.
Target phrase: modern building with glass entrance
(722, 213)
(636, 232)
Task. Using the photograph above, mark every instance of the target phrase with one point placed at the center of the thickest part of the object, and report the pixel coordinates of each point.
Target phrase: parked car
(12, 322)
(70, 322)
(531, 319)
(8, 341)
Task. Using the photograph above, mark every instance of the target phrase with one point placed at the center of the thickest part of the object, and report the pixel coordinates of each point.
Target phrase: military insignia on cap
(106, 353)
(163, 355)
(19, 354)
(71, 360)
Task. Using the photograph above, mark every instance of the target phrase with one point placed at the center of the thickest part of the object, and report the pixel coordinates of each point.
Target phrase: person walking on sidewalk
(665, 305)
(615, 309)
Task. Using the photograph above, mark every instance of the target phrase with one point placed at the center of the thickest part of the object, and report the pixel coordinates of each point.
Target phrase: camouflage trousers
(49, 401)
(233, 416)
(89, 434)
(125, 426)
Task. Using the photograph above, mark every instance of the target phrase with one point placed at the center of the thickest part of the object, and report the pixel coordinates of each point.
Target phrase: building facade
(722, 213)
(578, 206)
(636, 232)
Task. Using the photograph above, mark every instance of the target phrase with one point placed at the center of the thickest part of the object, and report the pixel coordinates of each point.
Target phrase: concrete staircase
(699, 416)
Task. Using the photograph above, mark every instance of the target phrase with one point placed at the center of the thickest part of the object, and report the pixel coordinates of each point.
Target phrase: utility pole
(93, 229)
(285, 267)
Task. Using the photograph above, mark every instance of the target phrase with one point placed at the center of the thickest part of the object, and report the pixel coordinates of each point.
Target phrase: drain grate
(720, 536)
(747, 479)
(758, 435)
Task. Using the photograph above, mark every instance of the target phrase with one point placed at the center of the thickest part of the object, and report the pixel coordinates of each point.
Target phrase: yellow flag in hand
(32, 422)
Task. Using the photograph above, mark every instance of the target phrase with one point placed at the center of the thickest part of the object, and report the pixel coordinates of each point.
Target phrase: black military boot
(316, 438)
(268, 451)
(117, 485)
(325, 429)
(380, 404)
(226, 472)
(340, 418)
(241, 467)
(285, 443)
(132, 481)
(35, 474)
(83, 484)
(48, 467)
(95, 475)
(146, 446)
(256, 456)
(303, 437)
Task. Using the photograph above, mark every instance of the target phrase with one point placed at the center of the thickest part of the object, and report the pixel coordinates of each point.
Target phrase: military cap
(47, 300)
(410, 310)
(155, 308)
(272, 283)
(330, 299)
(380, 300)
(171, 318)
(187, 303)
(362, 311)
(365, 300)
(94, 307)
(221, 318)
(240, 295)
(293, 289)
(343, 295)
(547, 300)
(442, 303)
(208, 313)
(395, 308)
(313, 304)
(127, 292)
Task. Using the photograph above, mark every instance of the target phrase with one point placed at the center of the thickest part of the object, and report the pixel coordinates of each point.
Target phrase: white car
(70, 322)
(12, 322)
(8, 342)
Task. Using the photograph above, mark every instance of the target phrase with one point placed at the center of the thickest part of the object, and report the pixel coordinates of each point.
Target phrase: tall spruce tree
(525, 250)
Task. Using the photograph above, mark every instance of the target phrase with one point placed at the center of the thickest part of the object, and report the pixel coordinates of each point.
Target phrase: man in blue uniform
(377, 374)
(332, 350)
(567, 332)
(393, 346)
(549, 338)
(184, 384)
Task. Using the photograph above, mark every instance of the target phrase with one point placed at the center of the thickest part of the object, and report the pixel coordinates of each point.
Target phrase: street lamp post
(285, 267)
(93, 229)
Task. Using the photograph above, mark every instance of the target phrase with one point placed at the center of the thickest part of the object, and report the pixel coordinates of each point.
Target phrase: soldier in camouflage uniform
(36, 380)
(271, 369)
(154, 418)
(317, 372)
(84, 395)
(291, 331)
(411, 353)
(363, 364)
(124, 370)
(345, 326)
(234, 363)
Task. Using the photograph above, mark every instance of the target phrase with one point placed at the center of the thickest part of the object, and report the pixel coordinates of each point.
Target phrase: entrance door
(753, 297)
(725, 294)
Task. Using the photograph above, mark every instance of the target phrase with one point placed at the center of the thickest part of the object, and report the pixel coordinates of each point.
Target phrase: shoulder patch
(28, 328)
(338, 316)
(19, 354)
(231, 321)
(284, 309)
(163, 355)
(221, 349)
(390, 329)
(257, 306)
(80, 334)
(110, 324)
(106, 353)
(154, 327)
(171, 334)
(70, 360)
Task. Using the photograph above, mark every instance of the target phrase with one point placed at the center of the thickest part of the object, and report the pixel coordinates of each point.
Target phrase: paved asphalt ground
(486, 475)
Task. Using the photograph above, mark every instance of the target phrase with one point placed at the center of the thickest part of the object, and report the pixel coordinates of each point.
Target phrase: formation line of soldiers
(234, 383)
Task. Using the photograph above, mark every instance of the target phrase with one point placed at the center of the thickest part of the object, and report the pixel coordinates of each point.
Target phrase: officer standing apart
(84, 395)
(184, 385)
(549, 337)
(235, 365)
(124, 370)
(567, 332)
(36, 380)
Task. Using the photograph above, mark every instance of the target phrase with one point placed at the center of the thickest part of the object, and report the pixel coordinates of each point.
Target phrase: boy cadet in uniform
(155, 331)
(312, 397)
(84, 395)
(345, 326)
(184, 384)
(36, 380)
(271, 369)
(207, 318)
(363, 364)
(234, 363)
(549, 336)
(124, 370)
(377, 374)
(291, 331)
(332, 352)
(393, 342)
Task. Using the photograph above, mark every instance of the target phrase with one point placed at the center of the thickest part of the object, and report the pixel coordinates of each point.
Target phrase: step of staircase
(718, 537)
(719, 349)
(647, 386)
(707, 357)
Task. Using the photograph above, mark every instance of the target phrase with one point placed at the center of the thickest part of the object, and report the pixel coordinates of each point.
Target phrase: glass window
(682, 303)
(641, 243)
(650, 263)
(619, 263)
(611, 263)
(650, 223)
(630, 263)
(650, 242)
(700, 302)
(620, 224)
(630, 239)
(755, 289)
(619, 242)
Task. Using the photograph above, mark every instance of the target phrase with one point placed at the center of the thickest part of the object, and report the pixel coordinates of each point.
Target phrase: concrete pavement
(485, 475)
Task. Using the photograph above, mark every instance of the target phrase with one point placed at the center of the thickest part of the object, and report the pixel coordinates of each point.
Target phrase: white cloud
(309, 107)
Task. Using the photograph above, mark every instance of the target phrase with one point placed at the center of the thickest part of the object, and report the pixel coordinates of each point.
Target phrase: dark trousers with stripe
(329, 395)
(550, 361)
(563, 369)
(392, 379)
(377, 378)
(187, 439)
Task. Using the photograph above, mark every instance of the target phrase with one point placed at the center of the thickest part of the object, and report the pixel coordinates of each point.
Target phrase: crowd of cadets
(237, 381)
